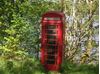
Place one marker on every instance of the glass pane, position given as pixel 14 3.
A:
pixel 50 61
pixel 51 37
pixel 50 57
pixel 51 31
pixel 52 52
pixel 51 47
pixel 50 26
pixel 51 42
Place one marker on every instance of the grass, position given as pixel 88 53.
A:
pixel 33 66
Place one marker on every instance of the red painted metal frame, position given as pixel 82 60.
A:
pixel 60 39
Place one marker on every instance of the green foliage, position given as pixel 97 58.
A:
pixel 27 66
pixel 20 26
pixel 33 66
pixel 70 68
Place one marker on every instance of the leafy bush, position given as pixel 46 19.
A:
pixel 70 68
pixel 26 66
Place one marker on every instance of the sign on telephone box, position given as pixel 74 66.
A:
pixel 52 41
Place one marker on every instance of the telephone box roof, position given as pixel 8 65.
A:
pixel 53 14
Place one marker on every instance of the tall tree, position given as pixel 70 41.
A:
pixel 79 30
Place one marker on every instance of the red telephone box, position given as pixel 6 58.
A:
pixel 52 44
